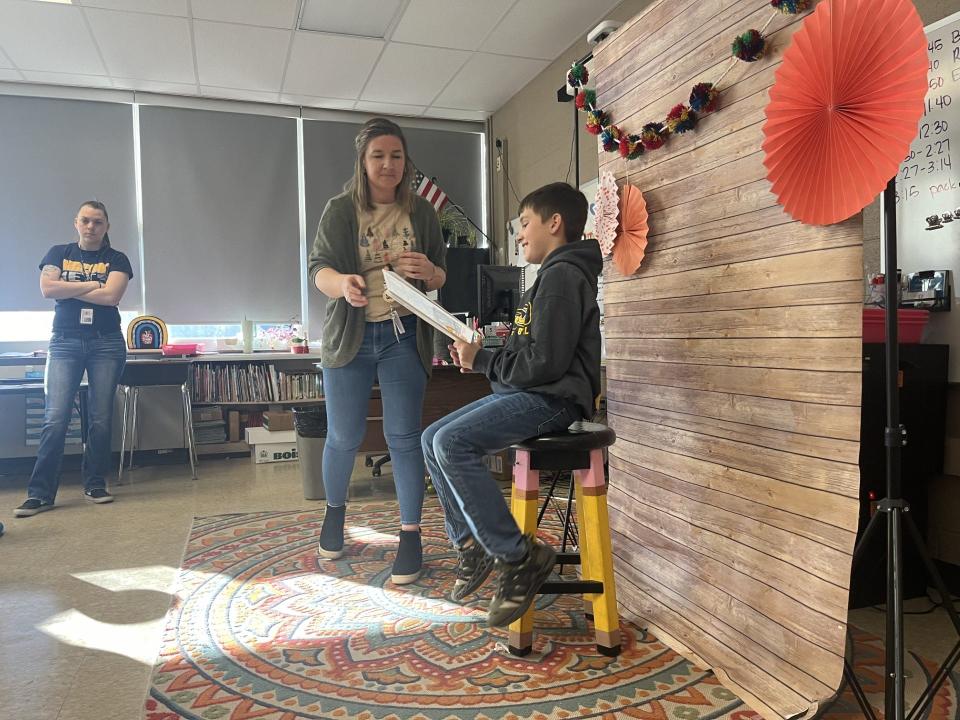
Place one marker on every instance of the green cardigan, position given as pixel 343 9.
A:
pixel 336 246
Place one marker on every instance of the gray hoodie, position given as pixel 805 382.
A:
pixel 554 346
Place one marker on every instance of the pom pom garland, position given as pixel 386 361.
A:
pixel 578 76
pixel 610 138
pixel 680 119
pixel 790 7
pixel 586 99
pixel 595 121
pixel 654 135
pixel 703 98
pixel 630 147
pixel 749 46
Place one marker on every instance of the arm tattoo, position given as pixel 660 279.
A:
pixel 51 271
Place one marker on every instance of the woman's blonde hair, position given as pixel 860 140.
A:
pixel 358 186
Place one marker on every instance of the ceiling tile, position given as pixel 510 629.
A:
pixel 48 36
pixel 240 56
pixel 67 79
pixel 154 86
pixel 129 42
pixel 454 114
pixel 411 74
pixel 267 13
pixel 458 24
pixel 545 28
pixel 315 54
pixel 160 7
pixel 486 82
pixel 313 101
pixel 388 108
pixel 11 75
pixel 234 94
pixel 366 18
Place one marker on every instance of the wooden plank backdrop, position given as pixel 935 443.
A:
pixel 733 366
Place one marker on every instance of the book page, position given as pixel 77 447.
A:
pixel 426 309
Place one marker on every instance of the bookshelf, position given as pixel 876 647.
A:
pixel 253 383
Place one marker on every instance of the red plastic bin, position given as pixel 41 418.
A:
pixel 910 325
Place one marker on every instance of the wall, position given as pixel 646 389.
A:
pixel 538 131
pixel 733 376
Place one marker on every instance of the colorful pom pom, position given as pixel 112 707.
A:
pixel 681 119
pixel 749 46
pixel 610 138
pixel 703 98
pixel 578 76
pixel 586 99
pixel 654 135
pixel 595 121
pixel 790 7
pixel 631 147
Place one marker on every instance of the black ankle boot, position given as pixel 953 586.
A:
pixel 409 560
pixel 331 534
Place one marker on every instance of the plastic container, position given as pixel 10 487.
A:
pixel 910 325
pixel 180 349
pixel 311 426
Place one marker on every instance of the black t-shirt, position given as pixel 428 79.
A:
pixel 77 265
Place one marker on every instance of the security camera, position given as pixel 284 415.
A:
pixel 602 31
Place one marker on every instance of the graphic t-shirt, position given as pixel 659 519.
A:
pixel 78 265
pixel 385 230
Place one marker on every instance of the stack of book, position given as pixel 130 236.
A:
pixel 209 426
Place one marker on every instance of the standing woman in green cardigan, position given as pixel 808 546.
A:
pixel 377 222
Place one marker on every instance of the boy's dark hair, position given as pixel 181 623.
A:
pixel 563 199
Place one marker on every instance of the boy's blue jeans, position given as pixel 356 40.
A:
pixel 403 382
pixel 69 355
pixel 454 447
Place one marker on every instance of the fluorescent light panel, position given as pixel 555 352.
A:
pixel 359 18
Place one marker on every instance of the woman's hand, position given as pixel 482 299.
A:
pixel 412 265
pixel 353 288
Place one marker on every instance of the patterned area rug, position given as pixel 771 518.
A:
pixel 261 627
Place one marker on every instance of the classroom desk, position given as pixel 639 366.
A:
pixel 27 389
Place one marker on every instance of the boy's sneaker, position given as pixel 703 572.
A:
pixel 31 507
pixel 519 583
pixel 331 533
pixel 473 567
pixel 98 496
pixel 409 561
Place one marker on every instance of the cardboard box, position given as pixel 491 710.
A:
pixel 268 447
pixel 278 420
pixel 233 426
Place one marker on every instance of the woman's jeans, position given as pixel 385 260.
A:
pixel 403 382
pixel 454 446
pixel 102 356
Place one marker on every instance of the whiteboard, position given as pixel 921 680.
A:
pixel 928 182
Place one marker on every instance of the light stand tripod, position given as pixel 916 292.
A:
pixel 896 512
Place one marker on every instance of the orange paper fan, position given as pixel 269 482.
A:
pixel 844 107
pixel 631 239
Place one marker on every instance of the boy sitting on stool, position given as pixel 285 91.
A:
pixel 544 378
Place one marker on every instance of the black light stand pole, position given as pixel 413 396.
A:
pixel 895 510
pixel 564 96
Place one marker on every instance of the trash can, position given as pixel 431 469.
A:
pixel 311 426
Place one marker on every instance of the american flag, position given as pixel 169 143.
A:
pixel 429 190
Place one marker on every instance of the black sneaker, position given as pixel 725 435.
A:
pixel 98 496
pixel 519 583
pixel 31 507
pixel 473 567
pixel 331 533
pixel 409 561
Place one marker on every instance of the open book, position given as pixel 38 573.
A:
pixel 426 309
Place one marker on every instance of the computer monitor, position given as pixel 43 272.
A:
pixel 459 293
pixel 498 293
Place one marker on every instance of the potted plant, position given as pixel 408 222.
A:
pixel 298 343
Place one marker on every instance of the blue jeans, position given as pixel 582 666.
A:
pixel 454 447
pixel 103 358
pixel 403 382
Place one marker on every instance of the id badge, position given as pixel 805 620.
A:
pixel 86 316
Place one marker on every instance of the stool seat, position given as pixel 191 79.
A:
pixel 581 436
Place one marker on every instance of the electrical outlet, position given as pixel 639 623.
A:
pixel 499 164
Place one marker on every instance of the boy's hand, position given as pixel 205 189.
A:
pixel 412 265
pixel 463 353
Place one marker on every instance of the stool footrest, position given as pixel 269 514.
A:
pixel 568 558
pixel 571 587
